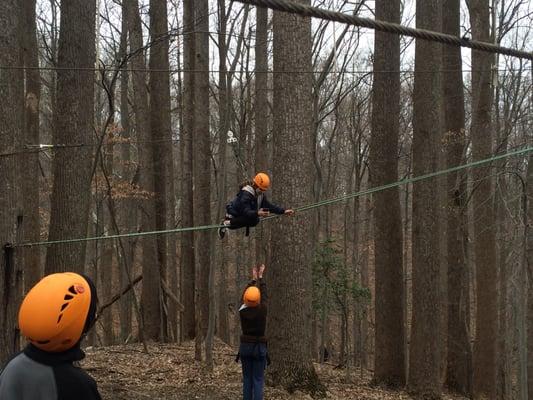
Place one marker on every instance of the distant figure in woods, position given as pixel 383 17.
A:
pixel 253 346
pixel 250 204
pixel 54 316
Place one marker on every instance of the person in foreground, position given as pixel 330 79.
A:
pixel 253 346
pixel 54 316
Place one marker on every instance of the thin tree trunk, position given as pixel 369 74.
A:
pixel 188 279
pixel 32 229
pixel 202 172
pixel 127 211
pixel 223 112
pixel 160 125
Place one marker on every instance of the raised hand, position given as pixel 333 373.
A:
pixel 254 273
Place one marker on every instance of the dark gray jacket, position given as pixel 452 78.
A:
pixel 38 375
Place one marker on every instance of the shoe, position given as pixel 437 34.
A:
pixel 222 230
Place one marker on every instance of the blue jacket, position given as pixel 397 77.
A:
pixel 247 203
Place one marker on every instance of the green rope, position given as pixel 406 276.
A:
pixel 302 208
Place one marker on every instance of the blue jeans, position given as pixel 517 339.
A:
pixel 253 359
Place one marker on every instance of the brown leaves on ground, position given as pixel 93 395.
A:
pixel 170 372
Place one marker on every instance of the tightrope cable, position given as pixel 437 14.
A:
pixel 298 209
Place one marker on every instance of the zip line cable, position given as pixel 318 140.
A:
pixel 298 209
pixel 383 26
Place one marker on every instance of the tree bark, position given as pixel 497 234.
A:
pixel 32 228
pixel 485 353
pixel 73 125
pixel 290 314
pixel 202 171
pixel 160 124
pixel 127 211
pixel 150 298
pixel 425 365
pixel 11 117
pixel 459 359
pixel 188 279
pixel 389 334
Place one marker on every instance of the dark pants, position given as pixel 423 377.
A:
pixel 253 359
pixel 242 222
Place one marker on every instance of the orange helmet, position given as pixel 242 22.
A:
pixel 57 311
pixel 262 181
pixel 252 296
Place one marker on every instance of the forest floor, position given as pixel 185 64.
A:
pixel 170 372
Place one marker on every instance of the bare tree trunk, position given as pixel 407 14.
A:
pixel 202 172
pixel 73 124
pixel 160 125
pixel 188 279
pixel 529 255
pixel 223 112
pixel 150 299
pixel 389 359
pixel 11 217
pixel 261 118
pixel 484 380
pixel 459 359
pixel 424 364
pixel 32 229
pixel 127 211
pixel 290 272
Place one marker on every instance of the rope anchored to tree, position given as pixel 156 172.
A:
pixel 382 26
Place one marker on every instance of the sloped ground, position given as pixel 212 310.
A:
pixel 170 372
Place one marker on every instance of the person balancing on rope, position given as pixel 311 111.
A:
pixel 250 205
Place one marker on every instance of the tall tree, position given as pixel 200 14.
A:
pixel 289 323
pixel 389 358
pixel 459 359
pixel 223 112
pixel 73 125
pixel 188 279
pixel 261 117
pixel 32 262
pixel 127 213
pixel 12 100
pixel 202 170
pixel 530 267
pixel 484 380
pixel 160 125
pixel 425 352
pixel 151 311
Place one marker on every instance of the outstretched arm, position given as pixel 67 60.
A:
pixel 262 284
pixel 273 208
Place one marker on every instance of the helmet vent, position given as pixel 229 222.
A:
pixel 43 341
pixel 68 297
pixel 59 318
pixel 64 306
pixel 72 290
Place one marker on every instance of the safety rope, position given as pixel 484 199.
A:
pixel 299 209
pixel 309 11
